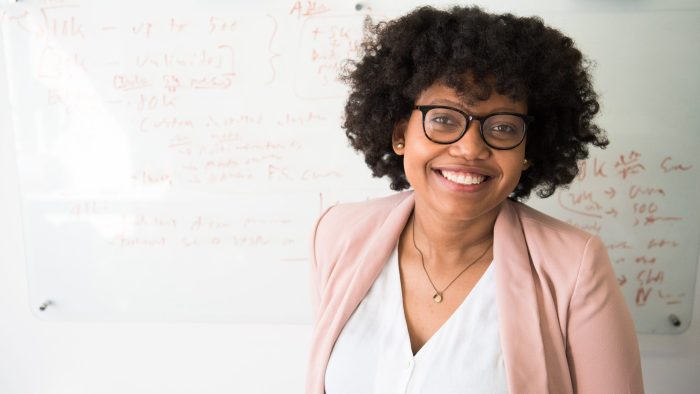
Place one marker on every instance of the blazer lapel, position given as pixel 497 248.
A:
pixel 376 254
pixel 371 260
pixel 518 311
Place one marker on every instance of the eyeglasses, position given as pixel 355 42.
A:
pixel 499 130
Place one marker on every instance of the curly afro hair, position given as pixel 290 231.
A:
pixel 517 57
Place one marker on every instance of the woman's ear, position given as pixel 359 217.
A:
pixel 398 139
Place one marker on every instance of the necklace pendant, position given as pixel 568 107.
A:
pixel 437 297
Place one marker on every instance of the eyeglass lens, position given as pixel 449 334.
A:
pixel 499 130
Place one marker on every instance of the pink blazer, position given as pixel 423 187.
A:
pixel 564 324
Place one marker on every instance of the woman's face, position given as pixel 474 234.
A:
pixel 467 179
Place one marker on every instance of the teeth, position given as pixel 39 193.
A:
pixel 462 178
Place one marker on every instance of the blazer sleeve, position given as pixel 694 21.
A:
pixel 602 348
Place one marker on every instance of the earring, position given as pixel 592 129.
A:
pixel 525 162
pixel 399 145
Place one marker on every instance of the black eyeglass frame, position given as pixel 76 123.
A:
pixel 527 119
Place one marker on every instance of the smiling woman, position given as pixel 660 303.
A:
pixel 455 286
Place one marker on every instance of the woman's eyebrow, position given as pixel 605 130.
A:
pixel 468 107
pixel 452 103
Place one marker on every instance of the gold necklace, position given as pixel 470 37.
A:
pixel 437 297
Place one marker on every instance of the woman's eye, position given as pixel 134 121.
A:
pixel 502 128
pixel 442 119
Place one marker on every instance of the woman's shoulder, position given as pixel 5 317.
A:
pixel 348 226
pixel 357 213
pixel 538 222
pixel 553 241
pixel 344 232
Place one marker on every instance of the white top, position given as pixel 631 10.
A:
pixel 373 352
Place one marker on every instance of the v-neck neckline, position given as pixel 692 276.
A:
pixel 396 280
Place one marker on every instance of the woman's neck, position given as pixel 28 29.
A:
pixel 450 241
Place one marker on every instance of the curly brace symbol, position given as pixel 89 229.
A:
pixel 273 55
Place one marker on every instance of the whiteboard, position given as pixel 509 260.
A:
pixel 173 157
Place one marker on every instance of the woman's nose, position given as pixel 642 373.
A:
pixel 471 146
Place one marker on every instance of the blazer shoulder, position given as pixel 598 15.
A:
pixel 562 254
pixel 347 224
pixel 368 210
pixel 554 243
pixel 534 221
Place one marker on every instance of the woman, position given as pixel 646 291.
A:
pixel 455 286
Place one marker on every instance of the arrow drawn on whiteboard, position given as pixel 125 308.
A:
pixel 612 212
pixel 273 55
pixel 19 21
pixel 610 192
pixel 622 281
